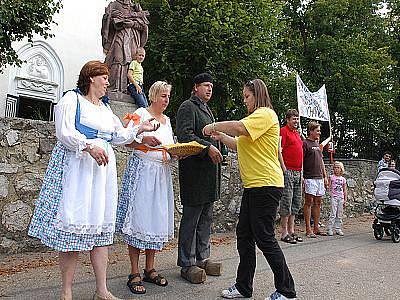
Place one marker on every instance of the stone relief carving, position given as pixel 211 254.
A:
pixel 37 67
pixel 36 86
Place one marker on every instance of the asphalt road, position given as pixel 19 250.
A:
pixel 355 266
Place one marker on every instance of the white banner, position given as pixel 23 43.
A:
pixel 312 105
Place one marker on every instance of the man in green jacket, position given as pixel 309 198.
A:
pixel 199 177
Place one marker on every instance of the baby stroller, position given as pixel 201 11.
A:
pixel 387 211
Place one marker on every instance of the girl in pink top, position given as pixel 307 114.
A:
pixel 338 198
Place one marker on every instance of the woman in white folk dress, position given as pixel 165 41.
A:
pixel 76 208
pixel 145 214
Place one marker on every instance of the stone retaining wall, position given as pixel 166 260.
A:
pixel 25 147
pixel 360 175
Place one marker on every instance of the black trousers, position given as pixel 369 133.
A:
pixel 194 234
pixel 257 227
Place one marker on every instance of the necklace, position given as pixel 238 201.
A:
pixel 159 117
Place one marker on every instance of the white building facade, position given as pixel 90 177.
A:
pixel 52 66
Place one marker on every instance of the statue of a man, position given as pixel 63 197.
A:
pixel 124 28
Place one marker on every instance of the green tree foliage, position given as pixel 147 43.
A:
pixel 393 27
pixel 393 18
pixel 345 45
pixel 349 45
pixel 233 40
pixel 20 19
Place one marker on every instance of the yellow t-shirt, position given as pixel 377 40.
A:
pixel 137 70
pixel 258 153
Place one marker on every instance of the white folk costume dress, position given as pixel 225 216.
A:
pixel 76 209
pixel 145 215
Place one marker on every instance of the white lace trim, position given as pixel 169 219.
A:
pixel 148 237
pixel 80 148
pixel 84 229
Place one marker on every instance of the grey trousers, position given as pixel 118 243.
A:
pixel 194 234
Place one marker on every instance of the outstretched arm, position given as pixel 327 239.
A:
pixel 229 141
pixel 232 128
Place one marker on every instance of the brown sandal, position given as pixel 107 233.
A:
pixel 321 233
pixel 158 279
pixel 311 235
pixel 133 285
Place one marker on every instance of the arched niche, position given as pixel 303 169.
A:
pixel 40 78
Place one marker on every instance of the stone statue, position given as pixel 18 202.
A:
pixel 124 28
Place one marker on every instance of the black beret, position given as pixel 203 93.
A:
pixel 202 77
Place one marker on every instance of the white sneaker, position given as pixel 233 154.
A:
pixel 277 296
pixel 231 293
pixel 339 232
pixel 329 232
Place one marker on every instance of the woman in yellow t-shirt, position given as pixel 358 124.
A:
pixel 256 139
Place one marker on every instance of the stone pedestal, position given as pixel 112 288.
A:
pixel 121 104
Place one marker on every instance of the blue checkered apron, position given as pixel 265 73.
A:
pixel 130 181
pixel 42 223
